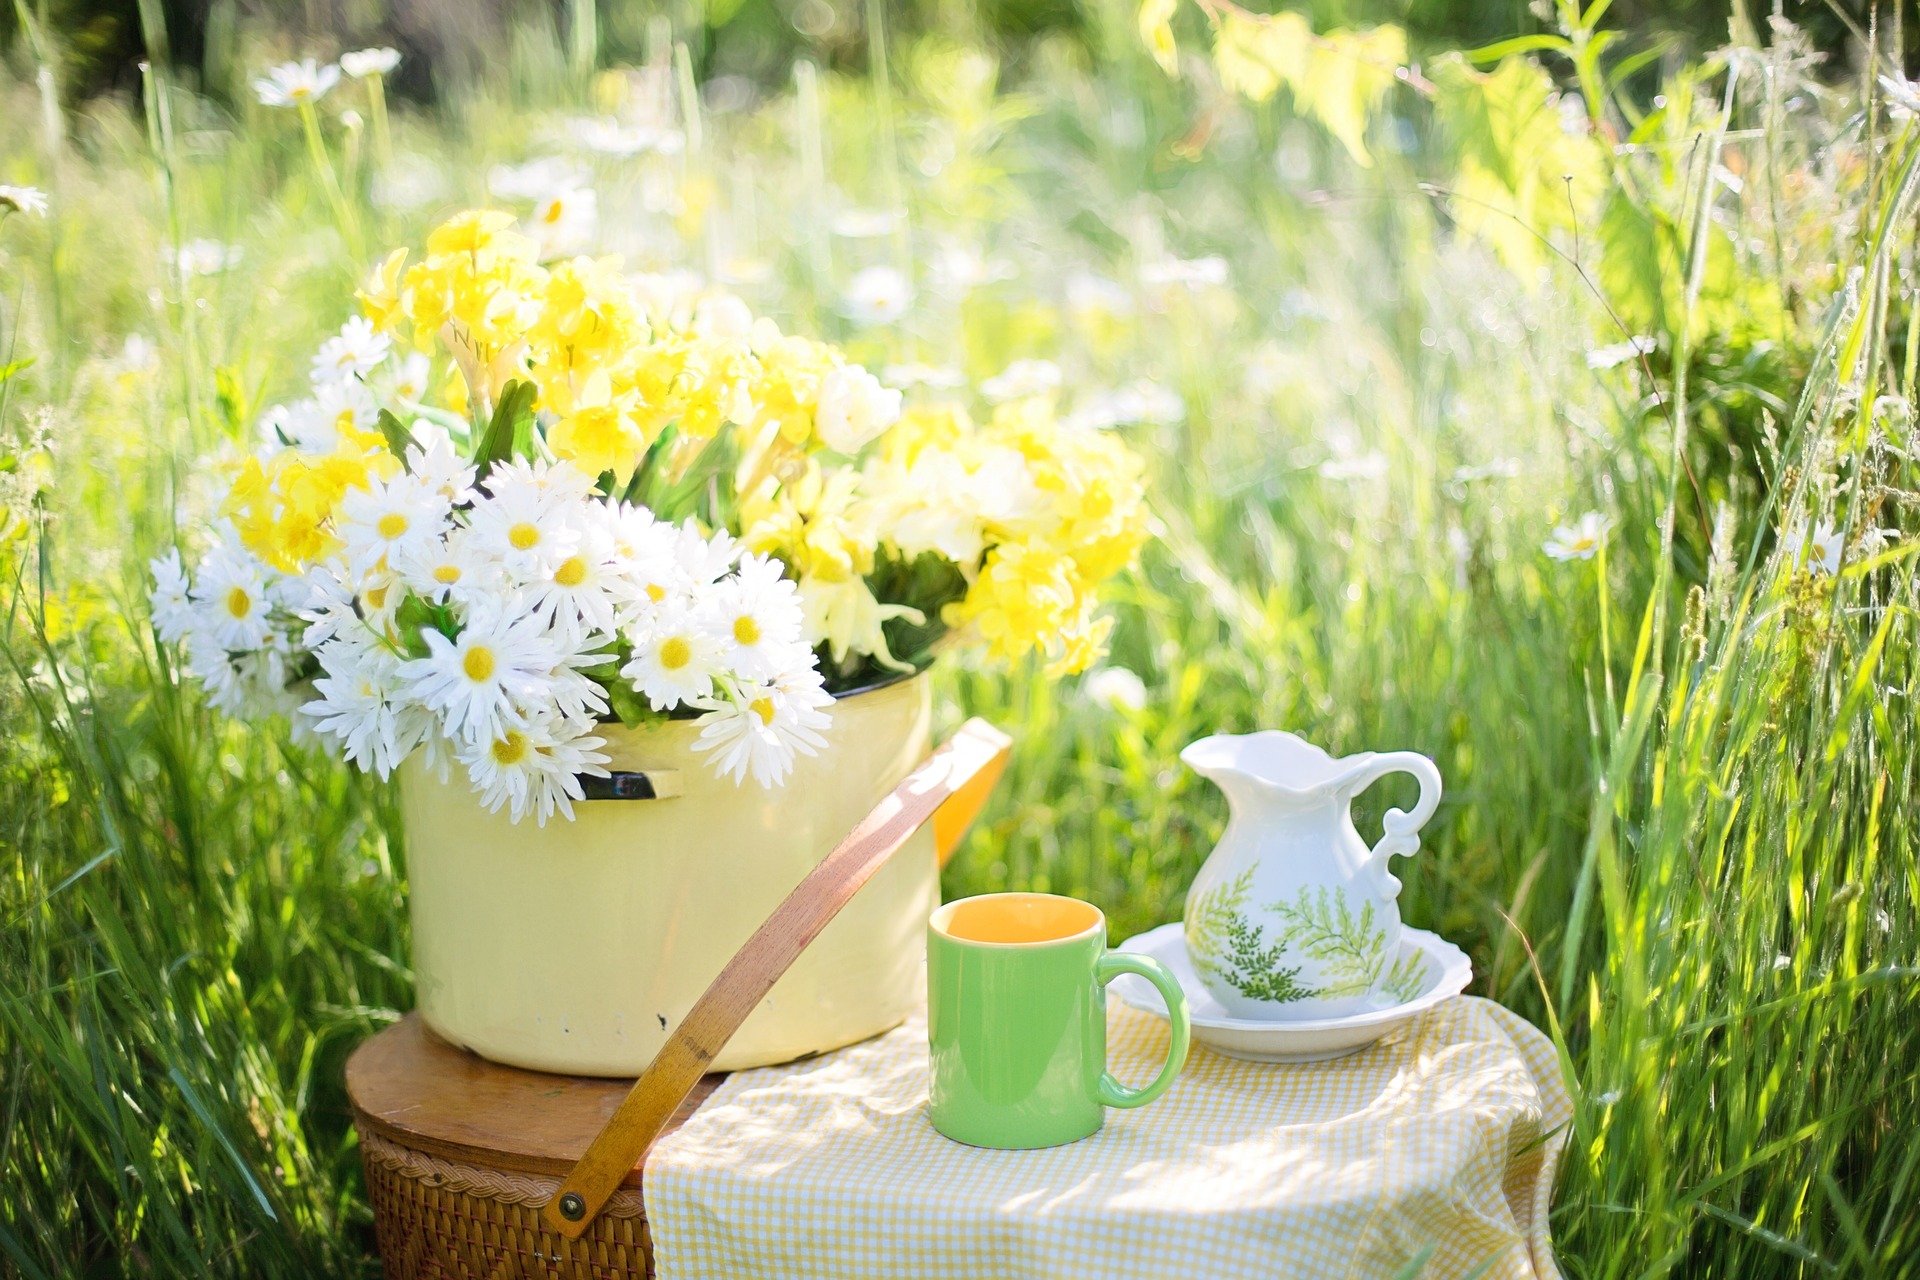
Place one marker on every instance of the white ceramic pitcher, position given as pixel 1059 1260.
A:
pixel 1293 916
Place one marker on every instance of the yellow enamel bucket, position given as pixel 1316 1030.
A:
pixel 573 948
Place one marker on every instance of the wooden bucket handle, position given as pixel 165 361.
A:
pixel 949 787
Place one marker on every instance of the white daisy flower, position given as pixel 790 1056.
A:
pixel 756 617
pixel 408 378
pixel 29 200
pixel 435 462
pixel 564 220
pixel 363 704
pixel 853 408
pixel 586 594
pixel 675 661
pixel 231 588
pixel 449 570
pixel 523 521
pixel 356 351
pixel 535 178
pixel 296 84
pixel 770 724
pixel 1022 380
pixel 325 602
pixel 207 257
pixel 1820 551
pixel 481 681
pixel 610 138
pixel 362 63
pixel 877 295
pixel 703 559
pixel 170 601
pixel 402 516
pixel 1581 540
pixel 1117 688
pixel 534 767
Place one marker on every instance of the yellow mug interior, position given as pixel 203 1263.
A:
pixel 1012 919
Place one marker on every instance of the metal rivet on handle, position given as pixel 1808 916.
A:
pixel 572 1207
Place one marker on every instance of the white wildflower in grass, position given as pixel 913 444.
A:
pixel 1145 401
pixel 356 351
pixel 933 377
pixel 1580 540
pixel 877 295
pixel 853 409
pixel 534 179
pixel 1819 551
pixel 534 766
pixel 756 618
pixel 207 257
pixel 1022 380
pixel 1090 294
pixel 231 590
pixel 864 224
pixel 956 268
pixel 1187 273
pixel 362 63
pixel 1620 353
pixel 391 518
pixel 28 200
pixel 1118 688
pixel 611 138
pixel 522 523
pixel 766 726
pixel 479 681
pixel 565 219
pixel 675 661
pixel 169 602
pixel 296 84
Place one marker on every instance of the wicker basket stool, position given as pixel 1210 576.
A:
pixel 462 1153
pixel 479 1171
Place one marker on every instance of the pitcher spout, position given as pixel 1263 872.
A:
pixel 1271 767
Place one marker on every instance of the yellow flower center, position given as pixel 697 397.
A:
pixel 239 603
pixel 656 592
pixel 523 536
pixel 376 597
pixel 762 707
pixel 746 630
pixel 554 212
pixel 675 653
pixel 572 572
pixel 447 573
pixel 392 525
pixel 478 664
pixel 511 749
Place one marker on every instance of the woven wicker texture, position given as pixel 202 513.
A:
pixel 439 1219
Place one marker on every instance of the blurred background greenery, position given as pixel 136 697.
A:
pixel 1662 271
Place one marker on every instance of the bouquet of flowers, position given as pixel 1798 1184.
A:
pixel 621 500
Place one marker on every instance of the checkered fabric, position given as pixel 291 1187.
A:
pixel 1445 1136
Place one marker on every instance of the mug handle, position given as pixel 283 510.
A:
pixel 1401 836
pixel 1114 963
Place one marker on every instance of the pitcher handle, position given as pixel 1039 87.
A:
pixel 1402 829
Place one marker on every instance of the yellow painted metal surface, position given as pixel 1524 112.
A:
pixel 573 947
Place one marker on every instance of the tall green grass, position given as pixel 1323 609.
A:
pixel 1679 830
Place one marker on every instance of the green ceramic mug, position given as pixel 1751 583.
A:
pixel 1017 1020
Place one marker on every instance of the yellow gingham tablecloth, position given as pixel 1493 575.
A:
pixel 1444 1136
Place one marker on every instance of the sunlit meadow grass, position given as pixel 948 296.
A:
pixel 1679 831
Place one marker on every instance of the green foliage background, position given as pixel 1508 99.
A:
pixel 1679 829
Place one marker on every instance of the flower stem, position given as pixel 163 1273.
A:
pixel 317 149
pixel 377 112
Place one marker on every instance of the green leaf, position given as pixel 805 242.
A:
pixel 230 398
pixel 399 439
pixel 511 431
pixel 414 616
pixel 628 704
pixel 8 370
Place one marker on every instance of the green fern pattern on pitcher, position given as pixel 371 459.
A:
pixel 1351 949
pixel 1406 977
pixel 1227 945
